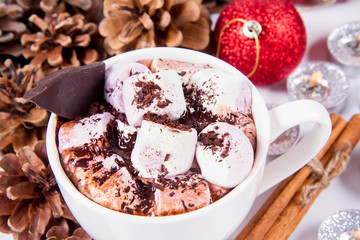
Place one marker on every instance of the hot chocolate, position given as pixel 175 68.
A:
pixel 170 137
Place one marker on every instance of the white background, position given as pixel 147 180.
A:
pixel 344 192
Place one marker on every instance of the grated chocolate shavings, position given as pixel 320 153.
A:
pixel 158 186
pixel 163 170
pixel 225 153
pixel 185 207
pixel 147 93
pixel 211 140
pixel 165 120
pixel 83 162
pixel 164 104
pixel 167 156
pixel 97 166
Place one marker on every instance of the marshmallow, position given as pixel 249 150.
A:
pixel 84 131
pixel 183 193
pixel 224 154
pixel 184 69
pixel 159 93
pixel 163 150
pixel 114 78
pixel 220 92
pixel 107 181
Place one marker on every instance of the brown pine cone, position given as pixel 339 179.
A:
pixel 11 29
pixel 139 24
pixel 21 122
pixel 31 206
pixel 62 41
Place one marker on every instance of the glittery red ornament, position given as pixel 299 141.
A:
pixel 282 39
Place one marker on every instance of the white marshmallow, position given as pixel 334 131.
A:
pixel 77 133
pixel 229 164
pixel 221 92
pixel 167 97
pixel 114 78
pixel 163 150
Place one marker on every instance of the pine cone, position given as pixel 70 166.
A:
pixel 11 29
pixel 139 24
pixel 62 41
pixel 31 206
pixel 21 122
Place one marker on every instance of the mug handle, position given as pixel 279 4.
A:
pixel 300 111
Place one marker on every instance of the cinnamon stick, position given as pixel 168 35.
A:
pixel 272 208
pixel 295 210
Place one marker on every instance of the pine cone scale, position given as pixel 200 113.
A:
pixel 174 36
pixel 184 13
pixel 110 26
pixel 23 190
pixel 39 217
pixel 146 21
pixel 54 200
pixel 196 35
pixel 7 205
pixel 8 181
pixel 4 228
pixel 10 164
pixel 54 57
pixel 26 155
pixel 18 221
pixel 132 30
pixel 90 55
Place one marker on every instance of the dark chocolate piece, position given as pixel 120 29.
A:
pixel 69 92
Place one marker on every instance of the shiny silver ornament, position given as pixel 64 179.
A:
pixel 342 225
pixel 344 44
pixel 320 81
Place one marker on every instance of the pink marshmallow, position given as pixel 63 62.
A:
pixel 184 69
pixel 183 193
pixel 114 78
pixel 224 154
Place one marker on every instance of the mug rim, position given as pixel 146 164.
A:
pixel 65 183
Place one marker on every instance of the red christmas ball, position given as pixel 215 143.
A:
pixel 282 39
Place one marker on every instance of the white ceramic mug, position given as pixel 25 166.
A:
pixel 221 218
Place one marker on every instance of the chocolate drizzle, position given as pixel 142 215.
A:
pixel 121 145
